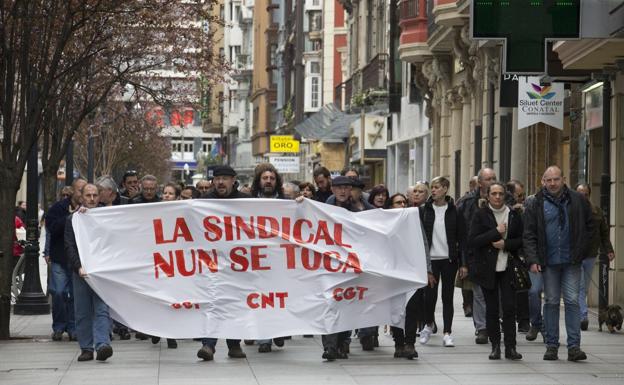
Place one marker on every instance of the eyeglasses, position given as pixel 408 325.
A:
pixel 129 173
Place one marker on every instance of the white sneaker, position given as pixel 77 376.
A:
pixel 425 334
pixel 447 341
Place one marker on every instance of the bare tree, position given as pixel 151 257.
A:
pixel 62 59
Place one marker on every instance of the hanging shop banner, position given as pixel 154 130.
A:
pixel 251 268
pixel 539 103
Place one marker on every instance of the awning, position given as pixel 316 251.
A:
pixel 329 125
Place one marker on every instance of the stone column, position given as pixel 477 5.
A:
pixel 466 138
pixel 453 101
pixel 519 151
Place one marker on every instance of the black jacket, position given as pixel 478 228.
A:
pixel 581 228
pixel 235 194
pixel 71 248
pixel 55 225
pixel 482 260
pixel 322 196
pixel 141 199
pixel 454 223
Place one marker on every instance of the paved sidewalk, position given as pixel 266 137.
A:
pixel 33 359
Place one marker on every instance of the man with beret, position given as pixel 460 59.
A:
pixel 223 188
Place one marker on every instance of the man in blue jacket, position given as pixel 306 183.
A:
pixel 60 285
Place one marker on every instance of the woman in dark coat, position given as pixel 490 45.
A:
pixel 496 236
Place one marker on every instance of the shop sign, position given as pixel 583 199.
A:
pixel 539 103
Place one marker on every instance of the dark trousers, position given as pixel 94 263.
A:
pixel 501 293
pixel 413 320
pixel 522 306
pixel 444 271
pixel 335 340
pixel 467 298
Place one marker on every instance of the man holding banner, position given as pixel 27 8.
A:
pixel 93 322
pixel 223 188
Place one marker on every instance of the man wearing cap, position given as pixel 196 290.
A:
pixel 223 188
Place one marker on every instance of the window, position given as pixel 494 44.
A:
pixel 315 92
pixel 234 52
pixel 315 67
pixel 236 15
pixel 233 100
pixel 316 3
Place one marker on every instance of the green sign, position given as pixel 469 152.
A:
pixel 525 25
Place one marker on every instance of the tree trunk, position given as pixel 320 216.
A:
pixel 49 186
pixel 8 192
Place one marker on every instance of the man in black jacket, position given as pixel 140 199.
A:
pixel 61 278
pixel 322 178
pixel 223 188
pixel 557 228
pixel 93 322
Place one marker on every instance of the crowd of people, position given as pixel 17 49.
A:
pixel 476 244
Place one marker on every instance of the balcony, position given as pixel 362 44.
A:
pixel 374 74
pixel 414 30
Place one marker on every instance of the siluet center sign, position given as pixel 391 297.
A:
pixel 539 103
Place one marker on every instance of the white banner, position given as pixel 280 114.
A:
pixel 537 103
pixel 250 268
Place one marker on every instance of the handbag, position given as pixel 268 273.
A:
pixel 520 279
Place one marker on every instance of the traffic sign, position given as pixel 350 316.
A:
pixel 525 25
pixel 284 143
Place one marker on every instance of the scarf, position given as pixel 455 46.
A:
pixel 560 202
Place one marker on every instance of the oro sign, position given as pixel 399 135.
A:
pixel 284 143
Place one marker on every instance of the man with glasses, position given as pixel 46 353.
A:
pixel 149 191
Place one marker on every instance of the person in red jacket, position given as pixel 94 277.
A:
pixel 17 248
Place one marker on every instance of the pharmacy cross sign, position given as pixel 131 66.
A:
pixel 525 25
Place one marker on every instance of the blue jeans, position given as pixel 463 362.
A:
pixel 535 300
pixel 562 279
pixel 588 268
pixel 93 323
pixel 60 287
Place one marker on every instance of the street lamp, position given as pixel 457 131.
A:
pixel 32 300
pixel 187 171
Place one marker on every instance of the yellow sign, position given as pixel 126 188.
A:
pixel 284 143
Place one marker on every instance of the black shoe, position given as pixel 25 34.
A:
pixel 576 354
pixel 206 353
pixel 368 344
pixel 512 354
pixel 104 352
pixel 524 326
pixel 264 348
pixel 57 336
pixel 236 352
pixel 551 354
pixel 434 329
pixel 155 340
pixel 308 336
pixel 532 333
pixel 86 355
pixel 73 337
pixel 584 324
pixel 124 335
pixel 249 342
pixel 496 353
pixel 330 354
pixel 172 344
pixel 141 336
pixel 399 351
pixel 343 351
pixel 410 352
pixel 482 337
pixel 376 341
pixel 468 311
pixel 279 341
